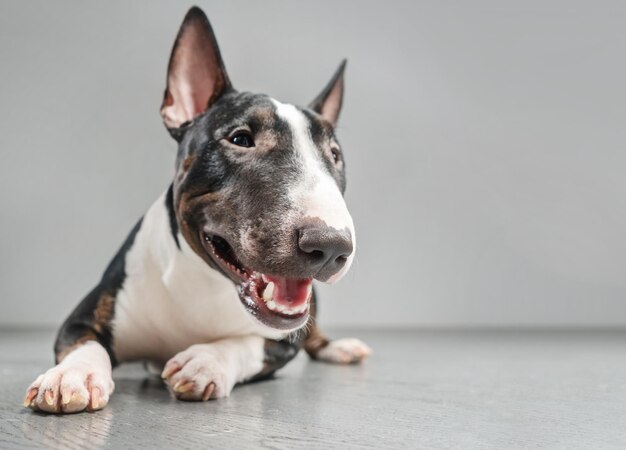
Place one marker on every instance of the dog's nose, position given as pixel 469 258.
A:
pixel 326 249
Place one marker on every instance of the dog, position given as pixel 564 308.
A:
pixel 213 286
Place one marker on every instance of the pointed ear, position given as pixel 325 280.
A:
pixel 196 76
pixel 328 102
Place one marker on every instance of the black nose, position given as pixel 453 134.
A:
pixel 326 249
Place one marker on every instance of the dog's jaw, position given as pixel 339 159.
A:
pixel 275 301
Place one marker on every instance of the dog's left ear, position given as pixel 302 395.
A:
pixel 328 102
pixel 196 76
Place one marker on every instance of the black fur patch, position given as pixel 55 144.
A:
pixel 279 353
pixel 169 204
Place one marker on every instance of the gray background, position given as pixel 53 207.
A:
pixel 485 148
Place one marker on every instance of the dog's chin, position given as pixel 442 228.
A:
pixel 277 302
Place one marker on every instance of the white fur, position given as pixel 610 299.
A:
pixel 318 192
pixel 345 351
pixel 171 299
pixel 69 386
pixel 222 363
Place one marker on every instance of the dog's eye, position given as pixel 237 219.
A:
pixel 242 139
pixel 335 152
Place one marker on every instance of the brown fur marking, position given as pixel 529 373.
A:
pixel 88 336
pixel 103 313
pixel 188 162
pixel 102 316
pixel 315 339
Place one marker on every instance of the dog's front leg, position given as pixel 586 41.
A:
pixel 210 371
pixel 81 381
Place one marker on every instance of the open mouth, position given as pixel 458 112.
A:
pixel 278 302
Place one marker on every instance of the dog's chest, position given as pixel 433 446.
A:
pixel 171 299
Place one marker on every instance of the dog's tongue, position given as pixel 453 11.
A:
pixel 288 291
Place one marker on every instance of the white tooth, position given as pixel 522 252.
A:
pixel 265 278
pixel 268 293
pixel 271 305
pixel 309 289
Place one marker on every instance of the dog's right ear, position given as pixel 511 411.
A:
pixel 328 102
pixel 196 76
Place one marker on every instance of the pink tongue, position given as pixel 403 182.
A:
pixel 290 292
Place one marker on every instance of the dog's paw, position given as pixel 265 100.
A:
pixel 344 351
pixel 200 373
pixel 69 388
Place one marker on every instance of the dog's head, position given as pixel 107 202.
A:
pixel 258 190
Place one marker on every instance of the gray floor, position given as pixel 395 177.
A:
pixel 420 390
